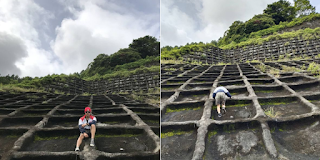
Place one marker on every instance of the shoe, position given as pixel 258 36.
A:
pixel 224 110
pixel 219 115
pixel 92 143
pixel 77 149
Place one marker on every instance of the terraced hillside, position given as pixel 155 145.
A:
pixel 271 50
pixel 270 116
pixel 133 83
pixel 45 126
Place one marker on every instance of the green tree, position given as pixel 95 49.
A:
pixel 281 11
pixel 258 22
pixel 146 46
pixel 124 56
pixel 303 8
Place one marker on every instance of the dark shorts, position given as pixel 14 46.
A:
pixel 88 132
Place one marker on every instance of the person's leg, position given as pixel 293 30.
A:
pixel 217 98
pixel 93 131
pixel 79 141
pixel 218 108
pixel 223 102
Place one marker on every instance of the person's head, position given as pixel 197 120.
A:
pixel 87 111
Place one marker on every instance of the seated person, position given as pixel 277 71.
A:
pixel 87 127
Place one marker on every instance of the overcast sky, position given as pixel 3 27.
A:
pixel 185 21
pixel 41 37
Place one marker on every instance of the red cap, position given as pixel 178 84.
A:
pixel 87 109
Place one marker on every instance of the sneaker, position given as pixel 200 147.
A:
pixel 77 149
pixel 219 115
pixel 92 143
pixel 224 110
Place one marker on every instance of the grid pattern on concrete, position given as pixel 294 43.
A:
pixel 272 50
pixel 138 82
pixel 45 126
pixel 268 117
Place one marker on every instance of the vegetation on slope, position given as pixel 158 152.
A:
pixel 142 56
pixel 275 18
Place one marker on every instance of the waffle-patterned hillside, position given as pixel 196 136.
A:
pixel 270 116
pixel 45 126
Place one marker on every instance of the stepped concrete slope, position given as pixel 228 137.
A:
pixel 133 83
pixel 269 116
pixel 271 50
pixel 37 126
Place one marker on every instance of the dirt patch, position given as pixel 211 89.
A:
pixel 298 79
pixel 243 112
pixel 108 111
pixel 252 72
pixel 178 147
pixel 20 121
pixel 69 112
pixel 196 86
pixel 262 82
pixel 62 122
pixel 165 95
pixel 55 145
pixel 47 157
pixel 231 83
pixel 169 87
pixel 32 112
pixel 297 139
pixel 306 88
pixel 5 111
pixel 258 76
pixel 283 107
pixel 100 105
pixel 150 120
pixel 131 140
pixel 7 139
pixel 315 99
pixel 183 112
pixel 116 120
pixel 52 141
pixel 227 78
pixel 235 141
pixel 176 82
pixel 144 110
pixel 43 106
pixel 270 91
pixel 185 115
pixel 238 92
pixel 193 95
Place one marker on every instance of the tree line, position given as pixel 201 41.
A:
pixel 142 55
pixel 275 17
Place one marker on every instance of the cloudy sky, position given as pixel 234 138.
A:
pixel 184 21
pixel 41 37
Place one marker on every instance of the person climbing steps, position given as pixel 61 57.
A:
pixel 219 94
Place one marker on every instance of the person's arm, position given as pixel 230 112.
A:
pixel 228 94
pixel 93 121
pixel 214 95
pixel 81 127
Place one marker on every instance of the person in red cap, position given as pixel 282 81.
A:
pixel 87 127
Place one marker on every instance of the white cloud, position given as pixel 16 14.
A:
pixel 213 19
pixel 19 19
pixel 94 31
pixel 95 27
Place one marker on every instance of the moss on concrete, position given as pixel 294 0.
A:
pixel 39 138
pixel 169 110
pixel 174 133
